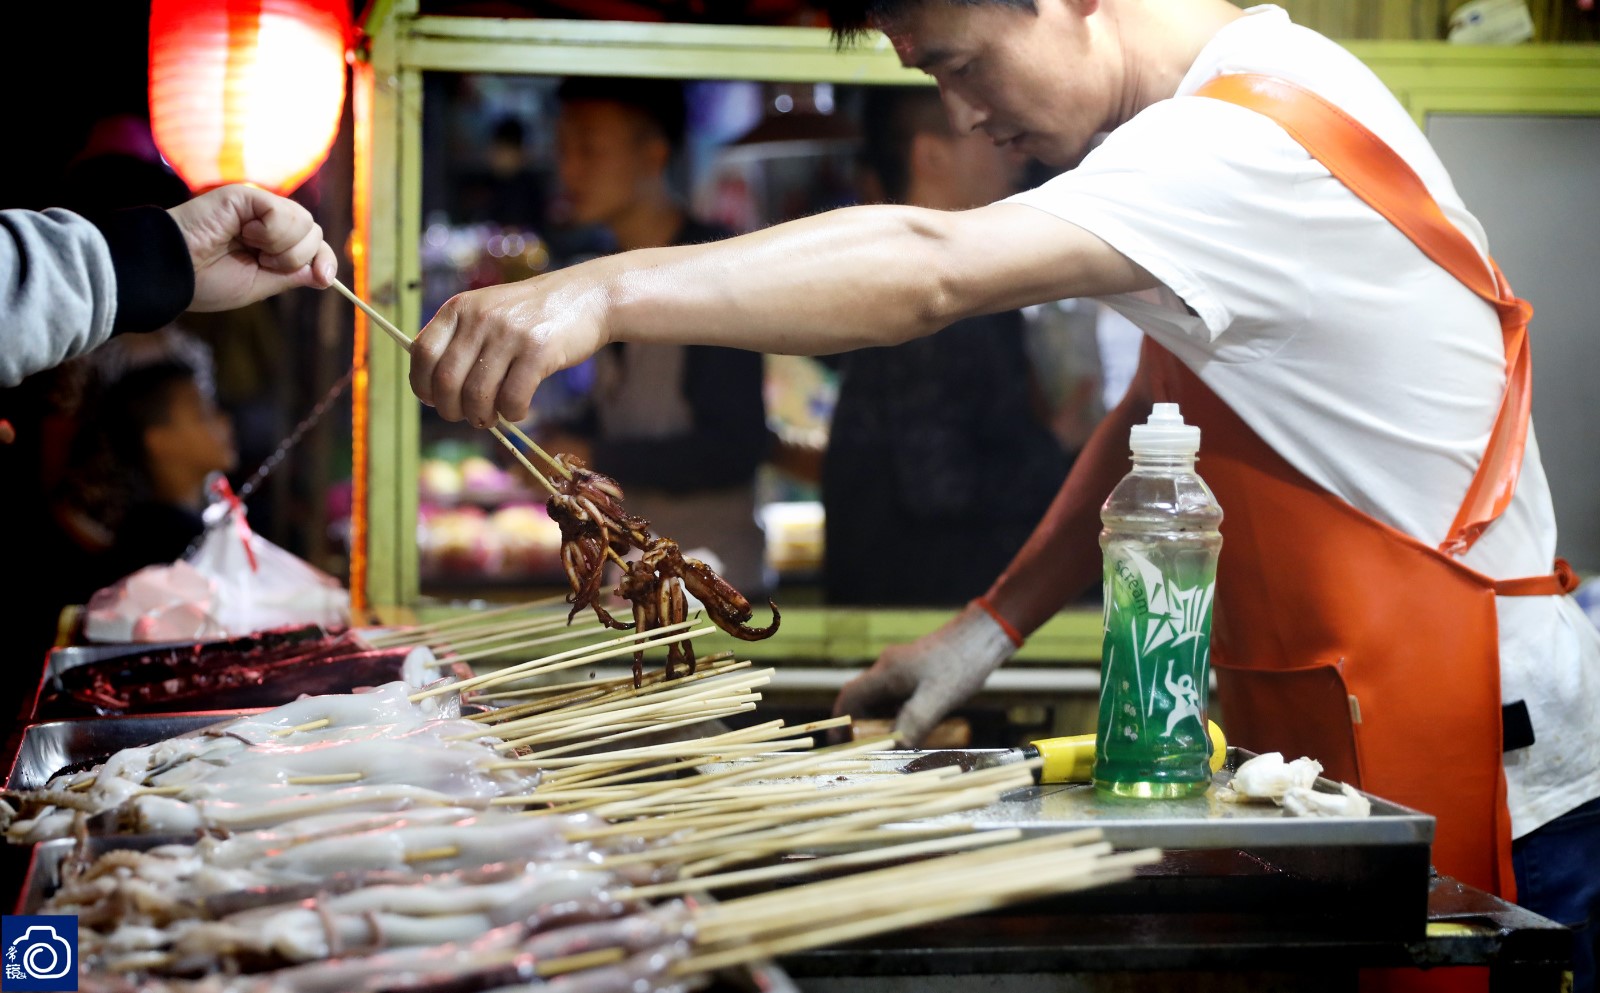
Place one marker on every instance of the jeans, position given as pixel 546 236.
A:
pixel 1558 876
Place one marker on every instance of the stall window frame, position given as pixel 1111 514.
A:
pixel 398 45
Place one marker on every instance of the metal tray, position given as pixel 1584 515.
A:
pixel 1248 864
pixel 72 656
pixel 1190 823
pixel 49 747
pixel 43 876
pixel 47 682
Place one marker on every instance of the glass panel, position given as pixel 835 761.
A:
pixel 912 476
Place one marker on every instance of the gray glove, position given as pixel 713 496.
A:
pixel 933 675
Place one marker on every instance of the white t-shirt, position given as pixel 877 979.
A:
pixel 1365 365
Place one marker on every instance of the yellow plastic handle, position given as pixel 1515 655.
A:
pixel 1071 759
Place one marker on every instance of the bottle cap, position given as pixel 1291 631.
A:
pixel 1164 433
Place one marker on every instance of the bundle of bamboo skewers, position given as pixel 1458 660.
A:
pixel 751 808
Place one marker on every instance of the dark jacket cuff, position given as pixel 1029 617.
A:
pixel 155 277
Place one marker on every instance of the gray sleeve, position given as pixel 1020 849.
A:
pixel 58 290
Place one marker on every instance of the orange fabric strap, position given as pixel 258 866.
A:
pixel 1005 625
pixel 1375 173
pixel 1562 580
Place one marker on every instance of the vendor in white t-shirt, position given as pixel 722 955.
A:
pixel 1356 371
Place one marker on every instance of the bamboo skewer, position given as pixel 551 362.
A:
pixel 423 632
pixel 631 642
pixel 787 766
pixel 533 732
pixel 520 436
pixel 562 764
pixel 887 887
pixel 1054 843
pixel 939 901
pixel 811 866
pixel 557 695
pixel 501 632
pixel 581 715
pixel 586 697
pixel 612 773
pixel 566 634
pixel 565 750
pixel 575 746
pixel 712 854
pixel 747 797
pixel 566 769
pixel 526 464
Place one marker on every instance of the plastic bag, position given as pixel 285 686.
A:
pixel 236 583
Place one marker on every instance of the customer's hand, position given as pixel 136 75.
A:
pixel 248 244
pixel 929 677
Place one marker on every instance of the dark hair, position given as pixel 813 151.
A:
pixel 141 399
pixel 659 101
pixel 851 19
pixel 508 131
pixel 891 117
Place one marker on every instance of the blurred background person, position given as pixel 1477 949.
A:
pixel 682 429
pixel 161 423
pixel 940 459
pixel 147 439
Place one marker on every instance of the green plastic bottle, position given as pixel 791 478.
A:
pixel 1160 542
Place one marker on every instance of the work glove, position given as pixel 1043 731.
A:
pixel 931 676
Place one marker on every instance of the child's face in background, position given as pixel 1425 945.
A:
pixel 196 435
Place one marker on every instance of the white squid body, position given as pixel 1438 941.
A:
pixel 663 928
pixel 389 916
pixel 1269 777
pixel 424 757
pixel 1347 802
pixel 474 842
pixel 383 713
pixel 389 704
pixel 244 849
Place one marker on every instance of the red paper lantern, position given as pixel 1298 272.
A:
pixel 247 90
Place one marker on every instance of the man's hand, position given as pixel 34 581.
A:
pixel 486 351
pixel 929 677
pixel 248 244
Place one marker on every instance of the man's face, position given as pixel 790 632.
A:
pixel 609 158
pixel 1037 82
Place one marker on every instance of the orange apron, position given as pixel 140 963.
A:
pixel 1337 636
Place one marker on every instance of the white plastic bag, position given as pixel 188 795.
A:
pixel 261 586
pixel 236 583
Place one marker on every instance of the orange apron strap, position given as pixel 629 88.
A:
pixel 1562 580
pixel 1375 173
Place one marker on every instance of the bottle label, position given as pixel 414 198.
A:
pixel 1155 663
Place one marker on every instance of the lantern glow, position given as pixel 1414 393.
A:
pixel 247 90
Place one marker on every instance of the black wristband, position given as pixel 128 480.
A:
pixel 155 276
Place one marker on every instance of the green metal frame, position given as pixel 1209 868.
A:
pixel 1428 77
